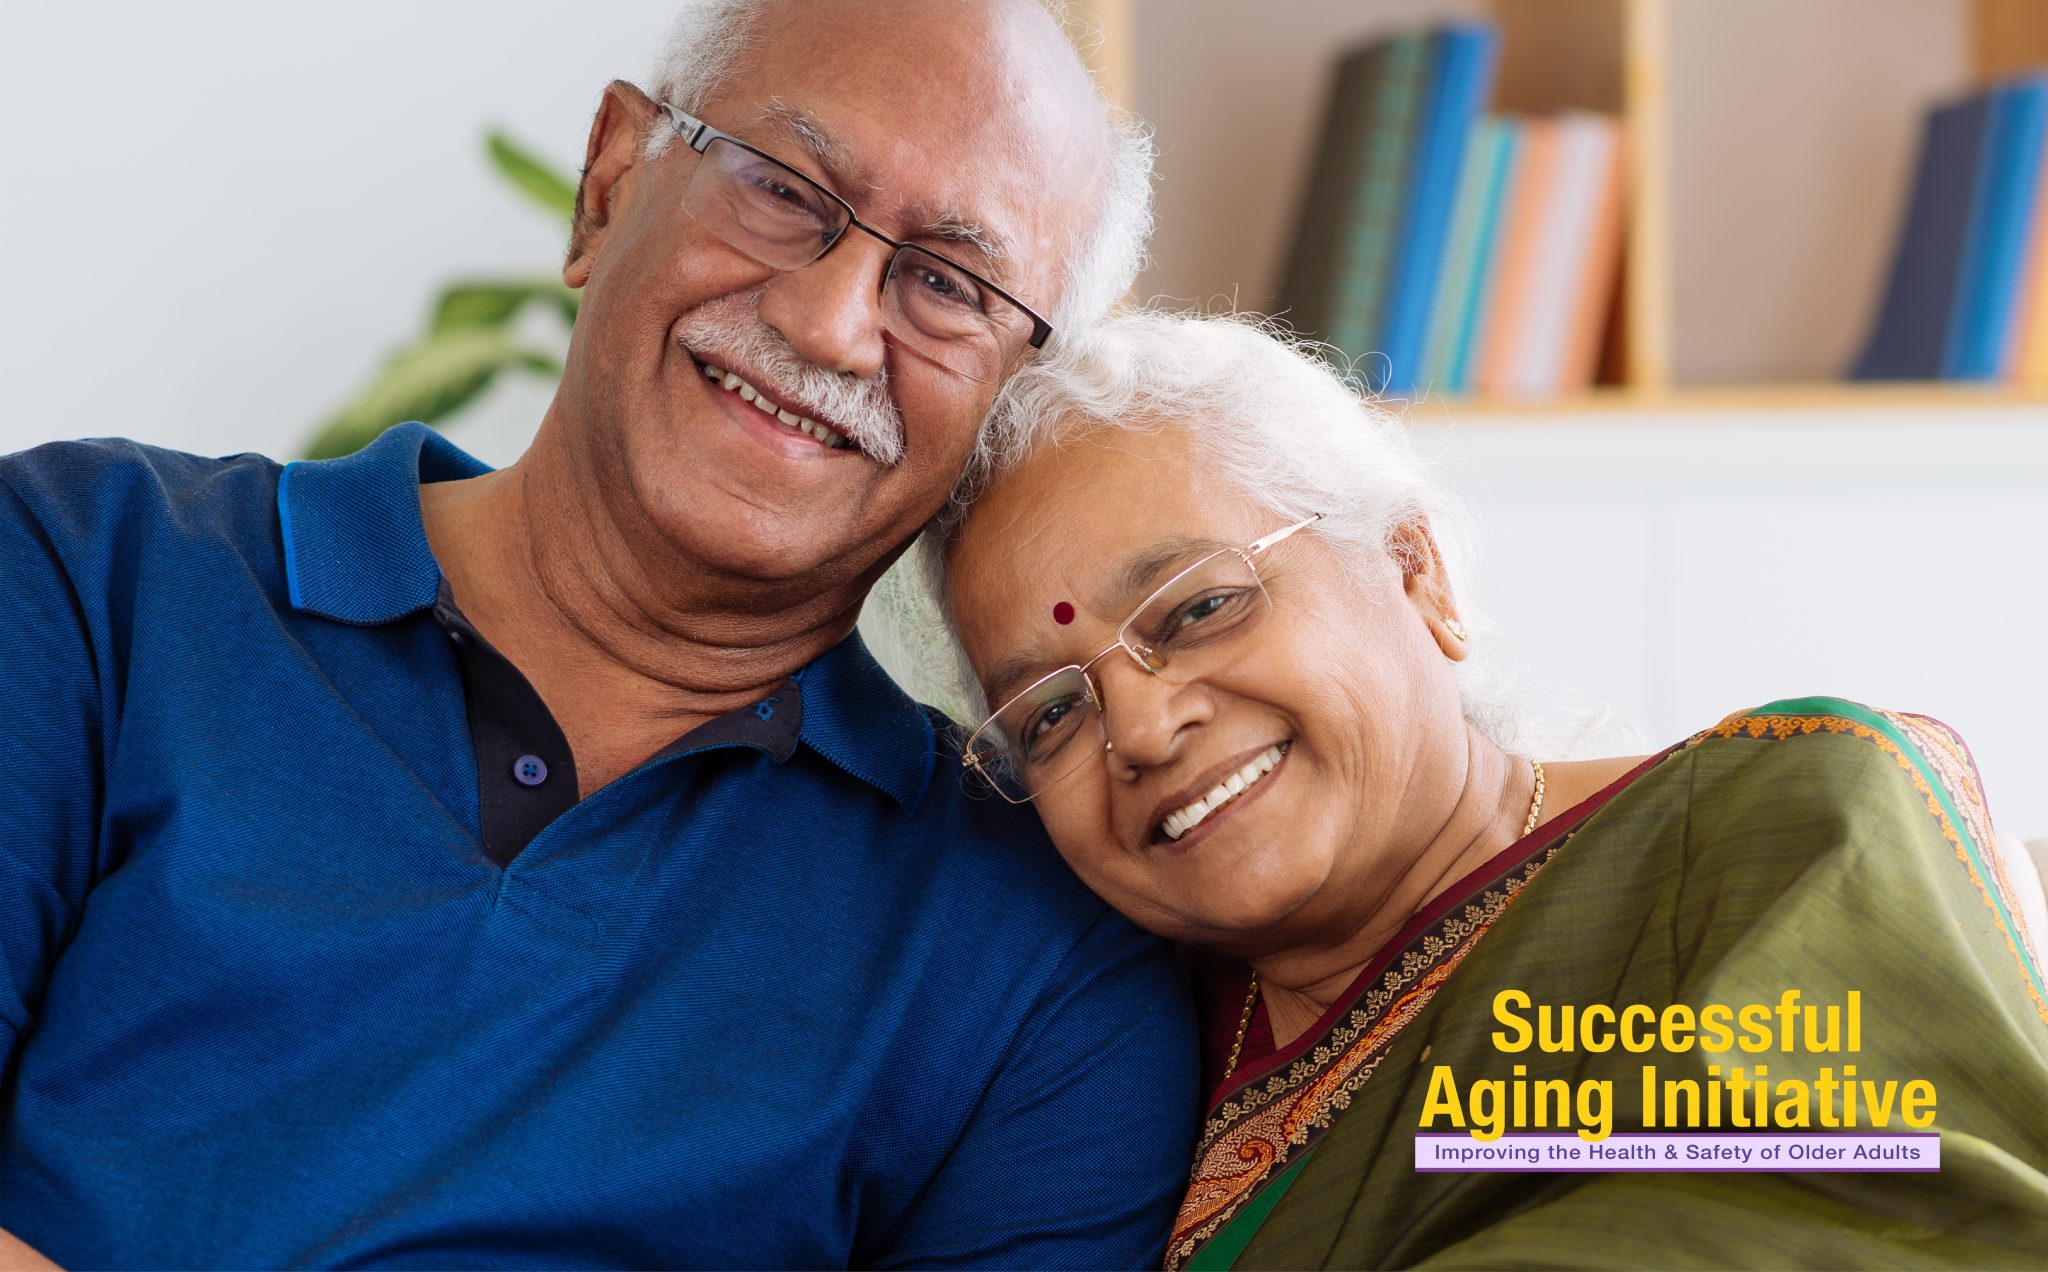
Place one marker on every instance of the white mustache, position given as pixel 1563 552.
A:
pixel 728 333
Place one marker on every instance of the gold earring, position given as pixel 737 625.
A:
pixel 1455 628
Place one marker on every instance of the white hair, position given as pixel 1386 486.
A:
pixel 705 40
pixel 1278 422
pixel 1104 260
pixel 1099 262
pixel 1106 255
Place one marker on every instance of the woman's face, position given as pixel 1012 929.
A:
pixel 1354 686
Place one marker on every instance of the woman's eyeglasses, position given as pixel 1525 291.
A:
pixel 1189 628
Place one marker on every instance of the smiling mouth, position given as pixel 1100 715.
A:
pixel 1182 820
pixel 733 383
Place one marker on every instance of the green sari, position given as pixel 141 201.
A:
pixel 1813 845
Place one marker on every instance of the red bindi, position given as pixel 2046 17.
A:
pixel 1063 613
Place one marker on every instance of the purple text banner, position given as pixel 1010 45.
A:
pixel 1688 1152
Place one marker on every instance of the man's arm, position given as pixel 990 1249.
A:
pixel 1078 1156
pixel 49 733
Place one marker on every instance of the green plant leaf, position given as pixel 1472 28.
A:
pixel 495 304
pixel 428 381
pixel 533 176
pixel 469 339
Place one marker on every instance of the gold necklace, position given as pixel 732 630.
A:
pixel 1251 1000
pixel 1251 997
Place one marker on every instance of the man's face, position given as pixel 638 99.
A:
pixel 940 124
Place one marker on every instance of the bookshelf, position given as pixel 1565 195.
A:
pixel 1769 153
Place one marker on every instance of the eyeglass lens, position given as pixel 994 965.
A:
pixel 783 219
pixel 1188 629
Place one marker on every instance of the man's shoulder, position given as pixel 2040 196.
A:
pixel 103 526
pixel 981 831
pixel 89 490
pixel 995 853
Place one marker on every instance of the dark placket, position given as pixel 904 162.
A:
pixel 525 772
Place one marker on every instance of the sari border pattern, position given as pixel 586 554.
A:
pixel 1250 1138
pixel 1938 764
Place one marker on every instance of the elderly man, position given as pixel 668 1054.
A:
pixel 412 864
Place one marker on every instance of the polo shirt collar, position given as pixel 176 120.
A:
pixel 862 721
pixel 355 551
pixel 355 548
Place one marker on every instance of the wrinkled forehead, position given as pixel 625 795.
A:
pixel 969 113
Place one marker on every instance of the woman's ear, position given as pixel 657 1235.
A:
pixel 611 161
pixel 1428 587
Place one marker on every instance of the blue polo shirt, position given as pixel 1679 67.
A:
pixel 782 996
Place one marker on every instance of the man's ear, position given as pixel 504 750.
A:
pixel 610 163
pixel 1427 586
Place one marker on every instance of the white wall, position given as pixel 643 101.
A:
pixel 220 216
pixel 1679 567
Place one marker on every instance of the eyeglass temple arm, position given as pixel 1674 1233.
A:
pixel 1261 545
pixel 685 123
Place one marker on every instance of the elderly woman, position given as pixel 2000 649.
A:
pixel 1213 626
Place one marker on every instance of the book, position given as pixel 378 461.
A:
pixel 1910 337
pixel 1476 303
pixel 1365 233
pixel 1563 254
pixel 2026 359
pixel 1525 213
pixel 2021 361
pixel 1463 243
pixel 1302 296
pixel 1462 60
pixel 1987 278
pixel 1597 274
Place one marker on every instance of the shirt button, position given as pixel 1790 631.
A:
pixel 531 770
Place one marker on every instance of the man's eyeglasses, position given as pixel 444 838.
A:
pixel 782 218
pixel 1189 628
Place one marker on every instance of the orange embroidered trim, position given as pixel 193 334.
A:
pixel 1959 780
pixel 1950 759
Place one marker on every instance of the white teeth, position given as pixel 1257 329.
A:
pixel 801 423
pixel 1182 820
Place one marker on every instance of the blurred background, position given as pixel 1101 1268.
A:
pixel 225 215
pixel 228 216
